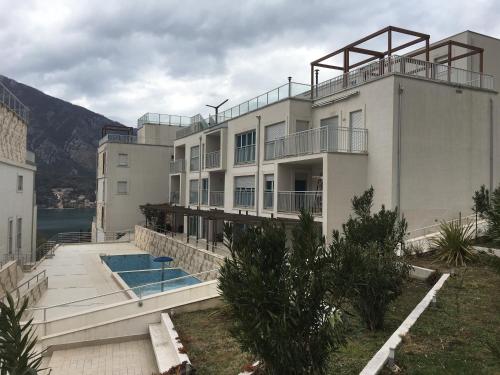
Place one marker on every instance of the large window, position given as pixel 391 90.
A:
pixel 356 119
pixel 268 191
pixel 194 164
pixel 19 234
pixel 244 191
pixel 330 121
pixel 193 191
pixel 122 187
pixel 103 163
pixel 204 191
pixel 123 160
pixel 10 235
pixel 245 148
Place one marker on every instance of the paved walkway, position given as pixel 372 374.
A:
pixel 129 358
pixel 76 272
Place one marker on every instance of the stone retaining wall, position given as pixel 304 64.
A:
pixel 10 274
pixel 185 256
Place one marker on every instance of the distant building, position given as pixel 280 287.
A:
pixel 18 209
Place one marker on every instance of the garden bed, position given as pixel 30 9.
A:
pixel 212 350
pixel 461 334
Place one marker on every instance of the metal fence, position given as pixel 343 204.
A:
pixel 313 141
pixel 8 99
pixel 164 119
pixel 244 155
pixel 217 198
pixel 406 66
pixel 212 159
pixel 118 138
pixel 19 290
pixel 178 166
pixel 295 201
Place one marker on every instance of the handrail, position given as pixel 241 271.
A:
pixel 13 103
pixel 17 288
pixel 436 227
pixel 45 308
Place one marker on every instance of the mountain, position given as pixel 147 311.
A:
pixel 64 138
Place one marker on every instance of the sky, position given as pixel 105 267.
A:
pixel 122 58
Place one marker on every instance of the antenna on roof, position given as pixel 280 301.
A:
pixel 216 107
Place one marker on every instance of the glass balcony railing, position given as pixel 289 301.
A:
pixel 118 138
pixel 244 155
pixel 212 159
pixel 244 198
pixel 296 201
pixel 178 166
pixel 174 197
pixel 8 99
pixel 217 198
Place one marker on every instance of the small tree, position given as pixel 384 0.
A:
pixel 366 268
pixel 481 200
pixel 493 216
pixel 280 297
pixel 453 245
pixel 17 342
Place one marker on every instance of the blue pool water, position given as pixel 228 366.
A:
pixel 137 278
pixel 140 269
pixel 132 262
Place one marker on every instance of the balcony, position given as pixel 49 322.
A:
pixel 118 138
pixel 193 197
pixel 164 119
pixel 405 66
pixel 244 199
pixel 9 100
pixel 318 140
pixel 178 166
pixel 244 155
pixel 204 197
pixel 217 198
pixel 268 199
pixel 212 160
pixel 295 201
pixel 174 197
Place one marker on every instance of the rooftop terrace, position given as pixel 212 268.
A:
pixel 11 101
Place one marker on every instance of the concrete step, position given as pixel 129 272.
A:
pixel 162 347
pixel 168 325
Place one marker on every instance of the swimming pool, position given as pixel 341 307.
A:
pixel 118 263
pixel 140 269
pixel 138 278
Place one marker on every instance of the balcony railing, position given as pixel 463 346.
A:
pixel 193 197
pixel 11 101
pixel 217 198
pixel 244 155
pixel 194 164
pixel 178 166
pixel 244 199
pixel 268 199
pixel 30 158
pixel 314 141
pixel 212 159
pixel 204 196
pixel 118 138
pixel 406 66
pixel 164 119
pixel 174 197
pixel 295 201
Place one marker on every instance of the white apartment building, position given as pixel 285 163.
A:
pixel 132 170
pixel 18 210
pixel 421 128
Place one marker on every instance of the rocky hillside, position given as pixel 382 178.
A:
pixel 64 138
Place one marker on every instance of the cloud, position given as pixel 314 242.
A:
pixel 122 59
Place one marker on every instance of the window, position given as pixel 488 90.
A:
pixel 193 191
pixel 194 164
pixel 301 125
pixel 330 121
pixel 20 183
pixel 273 132
pixel 245 148
pixel 19 234
pixel 355 123
pixel 356 119
pixel 122 187
pixel 329 139
pixel 123 160
pixel 268 190
pixel 204 191
pixel 104 163
pixel 102 217
pixel 244 191
pixel 10 235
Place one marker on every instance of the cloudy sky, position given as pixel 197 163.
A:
pixel 123 58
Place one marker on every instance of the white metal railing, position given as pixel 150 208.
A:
pixel 244 155
pixel 194 164
pixel 245 199
pixel 193 197
pixel 217 198
pixel 178 166
pixel 268 199
pixel 406 66
pixel 204 196
pixel 212 159
pixel 164 119
pixel 11 101
pixel 435 228
pixel 295 201
pixel 25 285
pixel 47 248
pixel 317 140
pixel 118 138
pixel 138 291
pixel 174 197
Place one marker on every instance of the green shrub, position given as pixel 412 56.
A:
pixel 17 342
pixel 366 269
pixel 481 200
pixel 493 217
pixel 453 245
pixel 279 296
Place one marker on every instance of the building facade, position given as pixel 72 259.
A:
pixel 18 209
pixel 423 133
pixel 132 170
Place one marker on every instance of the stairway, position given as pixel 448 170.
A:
pixel 166 345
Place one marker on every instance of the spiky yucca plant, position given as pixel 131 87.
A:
pixel 17 342
pixel 454 243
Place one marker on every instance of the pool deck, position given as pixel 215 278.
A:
pixel 76 272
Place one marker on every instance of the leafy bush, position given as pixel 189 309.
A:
pixel 493 217
pixel 279 296
pixel 17 355
pixel 366 268
pixel 454 243
pixel 481 200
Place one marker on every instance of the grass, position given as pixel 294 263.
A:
pixel 212 350
pixel 486 242
pixel 461 335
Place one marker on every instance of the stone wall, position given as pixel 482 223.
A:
pixel 185 256
pixel 10 274
pixel 13 133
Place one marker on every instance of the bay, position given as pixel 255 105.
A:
pixel 58 220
